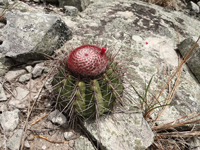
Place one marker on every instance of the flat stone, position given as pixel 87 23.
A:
pixel 19 100
pixel 13 143
pixel 24 78
pixel 14 74
pixel 9 120
pixel 2 94
pixel 28 36
pixel 122 131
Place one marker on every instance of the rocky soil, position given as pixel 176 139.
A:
pixel 146 33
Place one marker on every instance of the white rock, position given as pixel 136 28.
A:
pixel 24 77
pixel 9 120
pixel 37 70
pixel 57 117
pixel 26 144
pixel 29 68
pixel 3 108
pixel 19 99
pixel 194 7
pixel 44 147
pixel 14 74
pixel 71 135
pixel 198 3
pixel 137 38
pixel 20 93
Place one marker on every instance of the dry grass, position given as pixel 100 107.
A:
pixel 175 134
pixel 164 3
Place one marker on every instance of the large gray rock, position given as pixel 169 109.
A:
pixel 194 62
pixel 80 4
pixel 122 131
pixel 29 36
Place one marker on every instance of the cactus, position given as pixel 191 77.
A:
pixel 88 82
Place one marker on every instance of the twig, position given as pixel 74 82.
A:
pixel 39 119
pixel 29 113
pixel 52 141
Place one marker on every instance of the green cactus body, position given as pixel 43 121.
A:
pixel 89 96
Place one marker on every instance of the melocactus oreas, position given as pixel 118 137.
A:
pixel 88 82
pixel 87 60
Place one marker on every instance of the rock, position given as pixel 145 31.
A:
pixel 79 4
pixel 147 35
pixel 71 10
pixel 24 78
pixel 9 120
pixel 2 94
pixel 29 36
pixel 44 147
pixel 198 3
pixel 13 143
pixel 71 143
pixel 29 69
pixel 4 2
pixel 14 74
pixel 71 135
pixel 57 117
pixel 132 137
pixel 26 144
pixel 3 108
pixel 194 7
pixel 5 64
pixel 37 70
pixel 19 100
pixel 194 62
pixel 82 143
